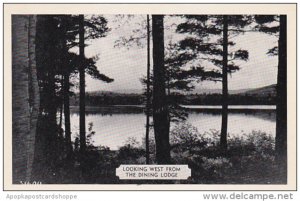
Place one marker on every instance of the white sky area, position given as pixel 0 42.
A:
pixel 127 66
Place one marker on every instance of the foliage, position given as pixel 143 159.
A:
pixel 138 35
pixel 266 97
pixel 109 98
pixel 131 153
pixel 249 157
pixel 218 167
pixel 268 24
pixel 54 32
pixel 90 134
pixel 204 42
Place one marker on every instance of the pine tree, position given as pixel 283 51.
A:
pixel 281 115
pixel 209 43
pixel 95 27
pixel 176 78
pixel 277 25
pixel 136 39
pixel 223 140
pixel 55 36
pixel 160 108
pixel 82 86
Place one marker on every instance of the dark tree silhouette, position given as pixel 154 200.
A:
pixel 66 71
pixel 177 79
pixel 82 86
pixel 160 108
pixel 48 66
pixel 93 27
pixel 148 92
pixel 277 25
pixel 236 22
pixel 223 140
pixel 209 41
pixel 56 65
pixel 136 39
pixel 281 116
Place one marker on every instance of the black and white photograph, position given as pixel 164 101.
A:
pixel 152 96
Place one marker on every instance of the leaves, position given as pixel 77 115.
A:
pixel 204 42
pixel 273 51
pixel 95 26
pixel 264 19
pixel 138 33
pixel 239 21
pixel 269 30
pixel 267 23
pixel 242 55
pixel 92 70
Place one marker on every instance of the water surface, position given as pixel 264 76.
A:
pixel 114 125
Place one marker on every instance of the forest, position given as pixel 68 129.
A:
pixel 49 70
pixel 262 96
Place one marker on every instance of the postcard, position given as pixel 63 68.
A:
pixel 150 97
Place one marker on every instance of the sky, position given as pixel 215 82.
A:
pixel 128 65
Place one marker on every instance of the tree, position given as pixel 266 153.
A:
pixel 223 140
pixel 93 27
pixel 48 134
pixel 137 40
pixel 25 94
pixel 160 108
pixel 281 115
pixel 277 25
pixel 209 42
pixel 237 22
pixel 179 79
pixel 34 97
pixel 66 71
pixel 82 86
pixel 148 92
pixel 176 80
pixel 57 64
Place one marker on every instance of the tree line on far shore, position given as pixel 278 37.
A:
pixel 252 97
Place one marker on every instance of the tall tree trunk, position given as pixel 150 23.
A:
pixel 82 85
pixel 160 109
pixel 281 110
pixel 223 141
pixel 67 111
pixel 61 109
pixel 34 96
pixel 25 96
pixel 61 117
pixel 148 92
pixel 46 138
pixel 169 94
pixel 66 88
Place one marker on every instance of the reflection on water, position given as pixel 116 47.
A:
pixel 114 125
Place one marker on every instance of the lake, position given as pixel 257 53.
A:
pixel 115 124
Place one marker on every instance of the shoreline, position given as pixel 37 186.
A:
pixel 197 108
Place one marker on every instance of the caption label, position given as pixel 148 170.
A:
pixel 151 172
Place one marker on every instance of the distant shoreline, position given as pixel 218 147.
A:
pixel 260 96
pixel 200 108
